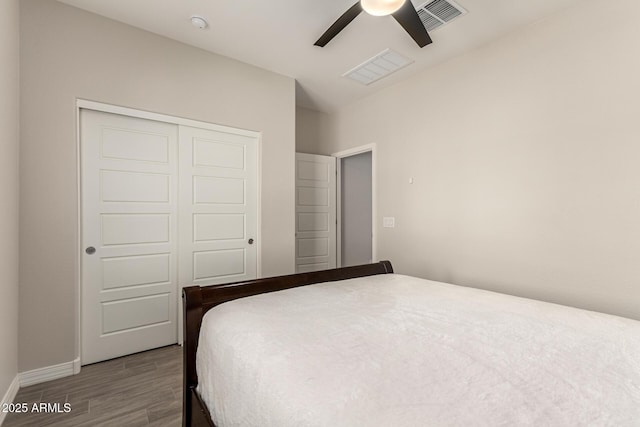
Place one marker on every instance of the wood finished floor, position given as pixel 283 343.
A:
pixel 143 389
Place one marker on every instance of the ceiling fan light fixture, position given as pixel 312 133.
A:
pixel 381 7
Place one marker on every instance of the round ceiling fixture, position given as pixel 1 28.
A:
pixel 381 7
pixel 199 22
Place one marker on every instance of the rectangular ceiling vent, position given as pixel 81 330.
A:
pixel 381 65
pixel 436 13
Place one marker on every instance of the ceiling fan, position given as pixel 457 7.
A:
pixel 402 10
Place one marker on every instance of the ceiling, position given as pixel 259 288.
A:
pixel 278 35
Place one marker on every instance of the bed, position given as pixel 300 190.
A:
pixel 364 346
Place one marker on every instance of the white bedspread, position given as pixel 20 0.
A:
pixel 392 350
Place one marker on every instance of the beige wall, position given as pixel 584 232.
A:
pixel 311 130
pixel 525 155
pixel 356 203
pixel 9 137
pixel 69 54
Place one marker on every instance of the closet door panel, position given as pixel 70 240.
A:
pixel 218 206
pixel 129 234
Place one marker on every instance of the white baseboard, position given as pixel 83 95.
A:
pixel 49 373
pixel 9 396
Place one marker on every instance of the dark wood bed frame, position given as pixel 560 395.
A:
pixel 197 300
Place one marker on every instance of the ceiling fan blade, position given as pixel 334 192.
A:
pixel 407 16
pixel 339 25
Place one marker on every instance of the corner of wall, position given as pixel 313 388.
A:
pixel 9 396
pixel 9 194
pixel 311 131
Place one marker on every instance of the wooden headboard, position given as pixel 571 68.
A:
pixel 197 300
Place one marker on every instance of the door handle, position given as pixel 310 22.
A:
pixel 250 241
pixel 90 250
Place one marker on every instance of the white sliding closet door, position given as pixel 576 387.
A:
pixel 315 212
pixel 163 206
pixel 129 235
pixel 218 206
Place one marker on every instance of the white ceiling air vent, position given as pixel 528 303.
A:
pixel 381 65
pixel 436 13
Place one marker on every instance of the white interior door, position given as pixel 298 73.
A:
pixel 315 212
pixel 218 206
pixel 129 235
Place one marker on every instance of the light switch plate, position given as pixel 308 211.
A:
pixel 389 222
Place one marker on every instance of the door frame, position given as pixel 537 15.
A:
pixel 84 104
pixel 374 197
